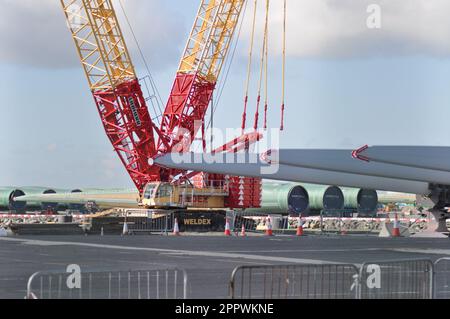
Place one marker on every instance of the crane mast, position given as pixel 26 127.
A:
pixel 197 75
pixel 115 87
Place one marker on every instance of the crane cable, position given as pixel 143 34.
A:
pixel 159 102
pixel 266 56
pixel 284 67
pixel 249 67
pixel 228 60
pixel 262 67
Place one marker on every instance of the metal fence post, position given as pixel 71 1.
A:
pixel 432 279
pixel 167 226
pixel 357 283
pixel 231 285
pixel 321 222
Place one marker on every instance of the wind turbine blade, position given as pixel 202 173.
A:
pixel 251 165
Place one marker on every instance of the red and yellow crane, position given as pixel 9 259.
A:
pixel 114 84
pixel 199 70
pixel 122 107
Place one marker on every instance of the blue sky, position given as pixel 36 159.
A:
pixel 344 89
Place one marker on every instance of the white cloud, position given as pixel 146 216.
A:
pixel 33 32
pixel 337 28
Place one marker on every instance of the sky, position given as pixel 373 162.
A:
pixel 347 85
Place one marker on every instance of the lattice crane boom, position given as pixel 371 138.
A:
pixel 112 79
pixel 199 70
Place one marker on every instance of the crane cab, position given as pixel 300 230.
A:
pixel 160 195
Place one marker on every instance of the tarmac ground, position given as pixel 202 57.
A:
pixel 208 260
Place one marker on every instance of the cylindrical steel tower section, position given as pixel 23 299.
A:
pixel 327 198
pixel 365 201
pixel 49 206
pixel 77 207
pixel 40 205
pixel 284 198
pixel 7 202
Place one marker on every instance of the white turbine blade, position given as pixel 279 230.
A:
pixel 426 157
pixel 252 166
pixel 342 161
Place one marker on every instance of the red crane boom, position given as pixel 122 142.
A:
pixel 118 96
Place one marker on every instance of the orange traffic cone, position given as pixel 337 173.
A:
pixel 269 231
pixel 227 228
pixel 300 226
pixel 396 229
pixel 243 234
pixel 176 228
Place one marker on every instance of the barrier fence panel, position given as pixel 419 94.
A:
pixel 347 221
pixel 409 279
pixel 329 222
pixel 253 222
pixel 258 222
pixel 137 284
pixel 442 278
pixel 328 281
pixel 153 222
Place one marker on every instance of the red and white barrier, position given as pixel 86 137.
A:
pixel 30 216
pixel 378 220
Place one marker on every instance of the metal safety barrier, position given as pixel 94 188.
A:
pixel 343 221
pixel 154 222
pixel 325 281
pixel 442 278
pixel 136 284
pixel 257 222
pixel 398 279
pixel 405 279
pixel 402 279
pixel 251 221
pixel 329 222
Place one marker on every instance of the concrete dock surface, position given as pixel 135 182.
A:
pixel 209 261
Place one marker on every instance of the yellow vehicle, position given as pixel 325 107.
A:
pixel 159 195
